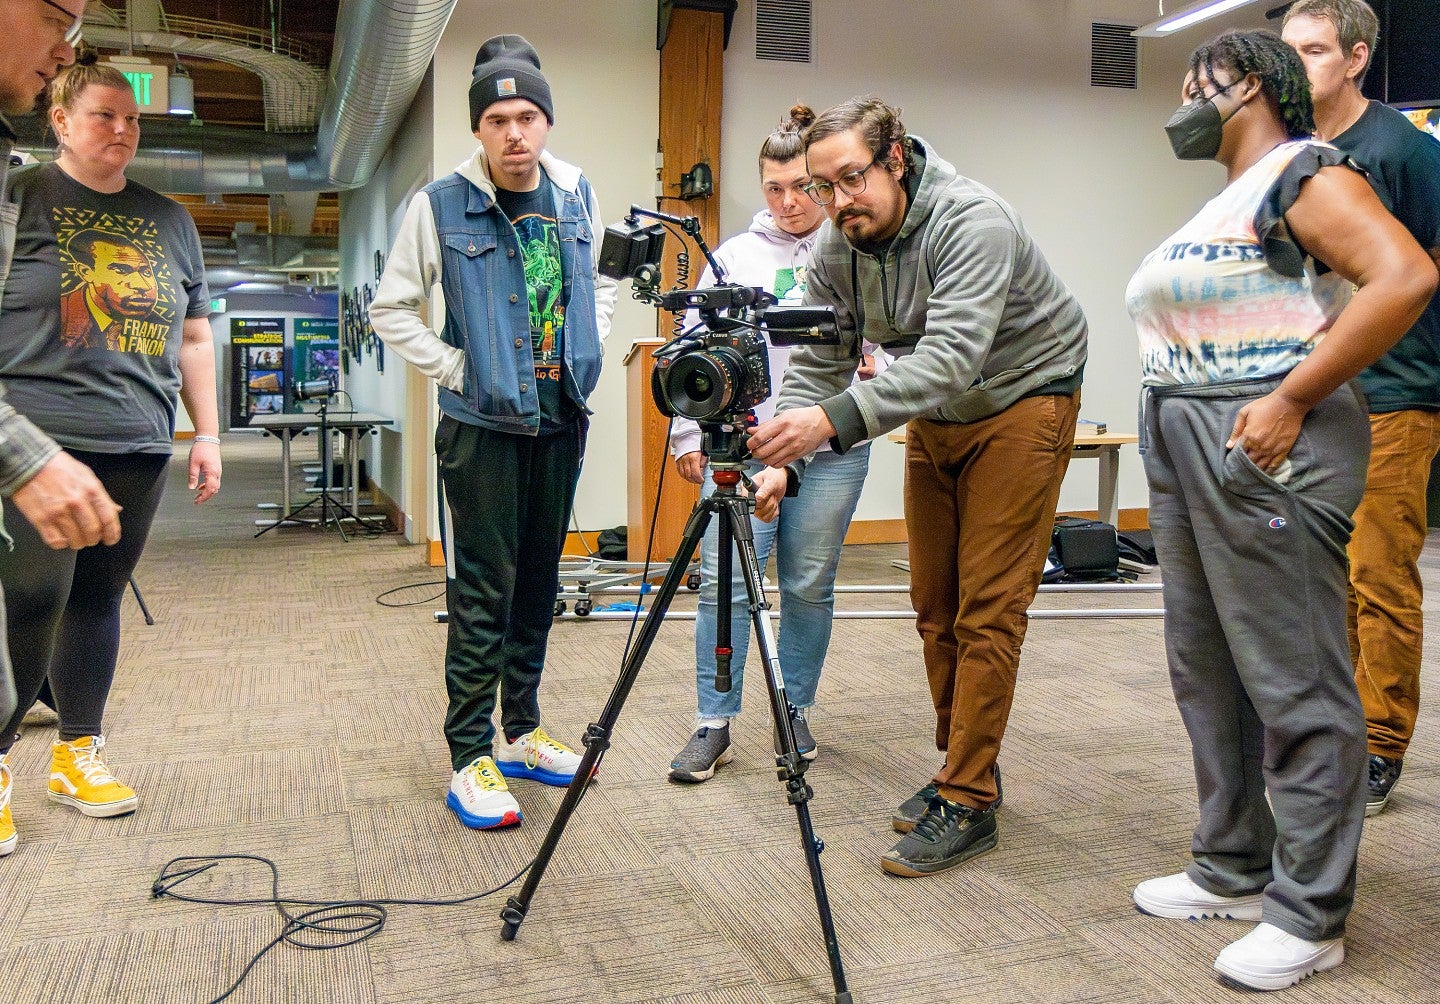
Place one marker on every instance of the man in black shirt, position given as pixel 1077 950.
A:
pixel 1335 39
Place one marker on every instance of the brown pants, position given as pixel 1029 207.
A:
pixel 979 507
pixel 1386 622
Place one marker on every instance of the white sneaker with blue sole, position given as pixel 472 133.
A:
pixel 536 757
pixel 479 796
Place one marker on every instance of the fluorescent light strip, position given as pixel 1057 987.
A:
pixel 1179 22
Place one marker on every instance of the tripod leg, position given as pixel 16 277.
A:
pixel 790 765
pixel 597 736
pixel 135 588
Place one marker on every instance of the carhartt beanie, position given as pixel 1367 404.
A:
pixel 507 66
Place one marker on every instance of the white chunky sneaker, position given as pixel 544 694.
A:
pixel 537 757
pixel 1269 959
pixel 1179 898
pixel 480 797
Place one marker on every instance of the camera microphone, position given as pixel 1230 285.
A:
pixel 306 390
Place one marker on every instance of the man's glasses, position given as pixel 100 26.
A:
pixel 852 184
pixel 72 33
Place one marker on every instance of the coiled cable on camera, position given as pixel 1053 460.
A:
pixel 682 281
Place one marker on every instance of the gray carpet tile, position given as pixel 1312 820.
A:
pixel 276 708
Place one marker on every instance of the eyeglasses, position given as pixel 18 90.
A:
pixel 852 184
pixel 72 33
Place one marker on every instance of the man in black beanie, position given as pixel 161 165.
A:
pixel 512 237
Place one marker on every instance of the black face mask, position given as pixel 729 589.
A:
pixel 1195 130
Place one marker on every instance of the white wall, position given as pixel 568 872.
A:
pixel 1003 93
pixel 369 217
pixel 999 87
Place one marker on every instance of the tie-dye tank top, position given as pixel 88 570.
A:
pixel 1208 305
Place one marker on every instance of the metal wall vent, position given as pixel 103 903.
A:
pixel 783 30
pixel 1114 56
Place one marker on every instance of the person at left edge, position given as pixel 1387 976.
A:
pixel 109 400
pixel 510 237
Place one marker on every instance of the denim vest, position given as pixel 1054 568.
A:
pixel 487 305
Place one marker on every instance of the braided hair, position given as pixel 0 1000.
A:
pixel 1265 54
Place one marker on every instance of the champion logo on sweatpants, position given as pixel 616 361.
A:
pixel 1278 523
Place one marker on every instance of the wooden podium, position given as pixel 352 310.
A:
pixel 646 451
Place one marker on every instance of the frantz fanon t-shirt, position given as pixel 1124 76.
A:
pixel 90 324
pixel 532 214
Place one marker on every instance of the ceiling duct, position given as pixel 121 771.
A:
pixel 382 50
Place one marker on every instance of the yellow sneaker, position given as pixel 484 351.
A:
pixel 79 778
pixel 7 824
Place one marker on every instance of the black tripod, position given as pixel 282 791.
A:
pixel 734 511
pixel 330 510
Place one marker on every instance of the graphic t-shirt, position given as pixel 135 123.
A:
pixel 90 325
pixel 533 216
pixel 1210 304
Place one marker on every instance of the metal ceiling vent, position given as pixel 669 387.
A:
pixel 782 30
pixel 1114 56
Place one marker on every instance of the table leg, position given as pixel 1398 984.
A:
pixel 285 474
pixel 1109 507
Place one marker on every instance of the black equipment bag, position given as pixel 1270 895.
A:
pixel 1083 550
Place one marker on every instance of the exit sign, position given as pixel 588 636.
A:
pixel 150 81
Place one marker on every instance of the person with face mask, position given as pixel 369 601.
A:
pixel 1255 448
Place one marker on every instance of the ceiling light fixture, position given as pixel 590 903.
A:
pixel 182 91
pixel 1168 24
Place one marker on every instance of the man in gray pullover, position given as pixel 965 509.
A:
pixel 989 349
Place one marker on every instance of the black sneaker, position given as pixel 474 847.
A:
pixel 947 835
pixel 910 810
pixel 804 741
pixel 706 752
pixel 1380 780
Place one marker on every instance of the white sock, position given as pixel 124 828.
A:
pixel 711 723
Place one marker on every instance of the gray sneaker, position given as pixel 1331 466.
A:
pixel 804 741
pixel 707 751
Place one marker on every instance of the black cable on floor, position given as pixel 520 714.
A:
pixel 320 926
pixel 413 603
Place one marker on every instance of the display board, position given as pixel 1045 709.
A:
pixel 315 356
pixel 258 383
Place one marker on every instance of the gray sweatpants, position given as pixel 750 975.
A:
pixel 1255 575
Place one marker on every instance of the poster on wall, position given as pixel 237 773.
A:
pixel 315 358
pixel 257 362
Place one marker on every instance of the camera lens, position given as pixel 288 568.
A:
pixel 702 385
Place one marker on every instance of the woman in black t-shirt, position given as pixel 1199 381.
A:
pixel 99 369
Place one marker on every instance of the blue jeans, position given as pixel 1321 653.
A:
pixel 810 530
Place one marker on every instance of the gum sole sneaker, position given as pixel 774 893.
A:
pixel 480 798
pixel 1177 897
pixel 947 835
pixel 536 757
pixel 80 779
pixel 1270 959
pixel 910 810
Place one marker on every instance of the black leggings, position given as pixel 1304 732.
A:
pixel 62 608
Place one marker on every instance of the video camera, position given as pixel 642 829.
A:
pixel 719 369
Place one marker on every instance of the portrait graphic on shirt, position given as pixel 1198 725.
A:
pixel 116 288
pixel 540 245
